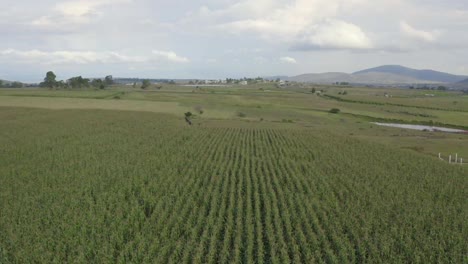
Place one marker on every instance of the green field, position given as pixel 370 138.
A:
pixel 118 176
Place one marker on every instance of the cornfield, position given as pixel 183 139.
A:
pixel 108 186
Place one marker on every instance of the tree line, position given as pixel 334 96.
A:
pixel 4 84
pixel 50 81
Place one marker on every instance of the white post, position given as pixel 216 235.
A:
pixel 450 158
pixel 461 161
pixel 440 157
pixel 456 158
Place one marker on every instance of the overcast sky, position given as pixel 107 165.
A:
pixel 228 38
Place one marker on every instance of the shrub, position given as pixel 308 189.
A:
pixel 199 109
pixel 334 110
pixel 241 114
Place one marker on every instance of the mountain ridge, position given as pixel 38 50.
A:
pixel 385 74
pixel 425 74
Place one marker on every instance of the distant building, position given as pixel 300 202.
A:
pixel 243 83
pixel 214 81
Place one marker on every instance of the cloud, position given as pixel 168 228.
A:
pixel 96 36
pixel 68 57
pixel 75 12
pixel 306 23
pixel 334 34
pixel 87 57
pixel 288 60
pixel 170 56
pixel 421 35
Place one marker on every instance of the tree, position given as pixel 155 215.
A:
pixel 109 80
pixel 16 85
pixel 50 80
pixel 146 83
pixel 78 82
pixel 313 90
pixel 1 83
pixel 62 84
pixel 98 83
pixel 441 88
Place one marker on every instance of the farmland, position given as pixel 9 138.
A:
pixel 118 176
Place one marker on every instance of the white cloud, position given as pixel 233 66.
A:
pixel 309 23
pixel 85 7
pixel 421 35
pixel 289 60
pixel 75 12
pixel 260 60
pixel 334 34
pixel 68 57
pixel 170 56
pixel 87 57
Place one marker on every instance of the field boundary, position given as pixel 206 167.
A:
pixel 337 98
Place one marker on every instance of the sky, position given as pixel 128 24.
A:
pixel 214 39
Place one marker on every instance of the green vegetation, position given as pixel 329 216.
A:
pixel 50 80
pixel 145 84
pixel 122 186
pixel 257 174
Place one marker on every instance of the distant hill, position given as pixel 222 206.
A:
pixel 329 77
pixel 464 81
pixel 426 75
pixel 388 74
pixel 272 78
pixel 363 78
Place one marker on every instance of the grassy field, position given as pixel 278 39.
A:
pixel 118 176
pixel 295 105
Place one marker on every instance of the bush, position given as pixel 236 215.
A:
pixel 334 110
pixel 199 109
pixel 241 114
pixel 188 114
